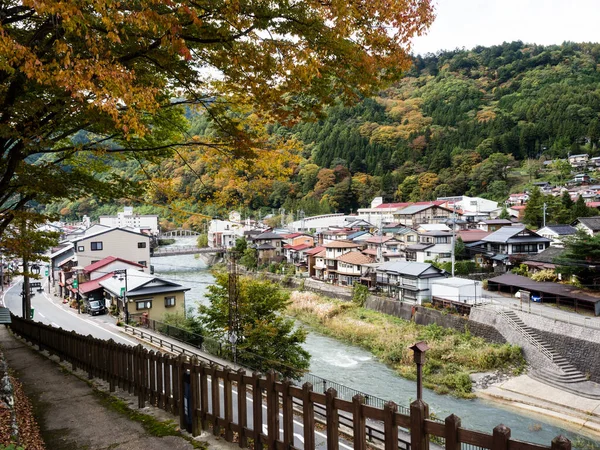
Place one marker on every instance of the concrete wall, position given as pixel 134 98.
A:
pixel 533 356
pixel 579 345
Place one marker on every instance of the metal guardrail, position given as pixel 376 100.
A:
pixel 527 335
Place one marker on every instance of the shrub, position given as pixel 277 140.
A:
pixel 360 292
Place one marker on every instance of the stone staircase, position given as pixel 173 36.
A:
pixel 564 376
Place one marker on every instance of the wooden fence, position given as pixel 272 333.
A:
pixel 203 397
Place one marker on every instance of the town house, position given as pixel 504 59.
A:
pixel 407 281
pixel 351 267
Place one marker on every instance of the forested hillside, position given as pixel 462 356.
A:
pixel 455 124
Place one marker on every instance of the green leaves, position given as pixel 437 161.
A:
pixel 265 338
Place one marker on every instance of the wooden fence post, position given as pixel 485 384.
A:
pixel 560 443
pixel 272 409
pixel 288 415
pixel 501 436
pixel 419 411
pixel 390 426
pixel 178 379
pixel 216 404
pixel 333 420
pixel 242 410
pixel 308 417
pixel 195 396
pixel 452 423
pixel 257 402
pixel 358 420
pixel 203 396
pixel 228 403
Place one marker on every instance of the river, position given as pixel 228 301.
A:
pixel 358 369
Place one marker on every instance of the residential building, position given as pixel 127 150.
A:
pixel 496 249
pixel 146 295
pixel 408 281
pixel 146 223
pixel 333 250
pixel 108 265
pixel 493 224
pixel 557 233
pixel 520 198
pixel 311 261
pixel 581 178
pixel 383 248
pixel 224 233
pixel 471 209
pixel 380 213
pixel 419 213
pixel 320 264
pixel 579 160
pixel 269 246
pixel 432 246
pixel 591 225
pixel 351 267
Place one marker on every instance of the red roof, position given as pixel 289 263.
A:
pixel 298 247
pixel 406 204
pixel 292 235
pixel 519 207
pixel 90 286
pixel 314 251
pixel 103 262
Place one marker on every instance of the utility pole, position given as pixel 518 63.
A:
pixel 123 273
pixel 453 239
pixel 544 219
pixel 26 293
pixel 233 322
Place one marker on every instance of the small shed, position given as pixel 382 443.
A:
pixel 459 293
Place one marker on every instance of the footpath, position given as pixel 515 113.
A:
pixel 75 413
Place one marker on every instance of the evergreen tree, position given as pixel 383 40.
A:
pixel 534 210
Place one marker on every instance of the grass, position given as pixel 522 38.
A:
pixel 451 358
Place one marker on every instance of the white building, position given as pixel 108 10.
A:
pixel 147 223
pixel 319 223
pixel 224 233
pixel 473 209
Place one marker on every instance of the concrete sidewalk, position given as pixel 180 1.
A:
pixel 75 414
pixel 526 393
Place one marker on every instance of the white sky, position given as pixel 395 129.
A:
pixel 468 23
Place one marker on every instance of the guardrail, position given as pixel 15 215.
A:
pixel 541 311
pixel 527 335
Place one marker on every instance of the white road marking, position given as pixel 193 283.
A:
pixel 85 320
pixel 41 315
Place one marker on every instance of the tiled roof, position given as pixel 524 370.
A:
pixel 355 258
pixel 593 223
pixel 340 244
pixel 379 239
pixel 315 250
pixel 103 262
pixel 90 286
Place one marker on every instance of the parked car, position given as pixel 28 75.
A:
pixel 95 307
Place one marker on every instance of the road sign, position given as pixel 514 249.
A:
pixel 75 283
pixel 46 273
pixel 122 292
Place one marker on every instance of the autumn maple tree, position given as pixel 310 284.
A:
pixel 83 81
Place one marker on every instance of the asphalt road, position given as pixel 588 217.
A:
pixel 51 311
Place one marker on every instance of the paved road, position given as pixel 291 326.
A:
pixel 51 311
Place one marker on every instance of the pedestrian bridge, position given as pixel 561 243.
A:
pixel 180 232
pixel 189 250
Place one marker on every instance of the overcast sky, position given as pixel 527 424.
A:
pixel 468 23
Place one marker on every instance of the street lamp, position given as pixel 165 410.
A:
pixel 121 274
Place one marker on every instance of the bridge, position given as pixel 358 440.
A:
pixel 188 250
pixel 180 232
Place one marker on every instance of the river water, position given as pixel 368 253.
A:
pixel 358 369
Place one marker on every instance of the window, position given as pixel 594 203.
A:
pixel 143 304
pixel 96 245
pixel 142 263
pixel 141 245
pixel 80 248
pixel 445 255
pixel 169 301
